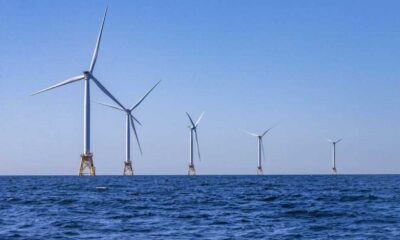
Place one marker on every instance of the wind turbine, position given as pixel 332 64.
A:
pixel 193 131
pixel 334 154
pixel 130 119
pixel 87 155
pixel 260 147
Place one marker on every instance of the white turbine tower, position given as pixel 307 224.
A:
pixel 193 131
pixel 87 155
pixel 334 171
pixel 260 148
pixel 130 120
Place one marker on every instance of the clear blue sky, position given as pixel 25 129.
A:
pixel 319 68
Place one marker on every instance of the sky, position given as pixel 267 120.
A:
pixel 318 69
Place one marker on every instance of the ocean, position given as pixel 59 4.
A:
pixel 200 207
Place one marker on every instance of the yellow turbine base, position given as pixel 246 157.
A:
pixel 128 170
pixel 260 171
pixel 191 171
pixel 87 163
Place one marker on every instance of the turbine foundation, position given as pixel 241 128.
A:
pixel 260 171
pixel 87 163
pixel 191 171
pixel 334 172
pixel 128 170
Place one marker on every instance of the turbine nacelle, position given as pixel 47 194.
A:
pixel 86 75
pixel 334 141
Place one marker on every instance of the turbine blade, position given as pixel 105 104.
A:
pixel 69 80
pixel 137 138
pixel 339 140
pixel 267 130
pixel 135 119
pixel 252 134
pixel 197 143
pixel 96 49
pixel 141 100
pixel 198 121
pixel 104 90
pixel 191 121
pixel 329 140
pixel 109 105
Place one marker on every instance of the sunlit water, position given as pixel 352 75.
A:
pixel 201 207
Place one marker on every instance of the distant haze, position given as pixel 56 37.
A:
pixel 318 68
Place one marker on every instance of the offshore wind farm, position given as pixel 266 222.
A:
pixel 87 156
pixel 247 105
pixel 175 138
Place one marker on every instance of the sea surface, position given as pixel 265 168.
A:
pixel 200 207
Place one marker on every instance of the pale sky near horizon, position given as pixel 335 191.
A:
pixel 318 68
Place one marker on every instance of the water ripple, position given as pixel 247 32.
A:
pixel 202 207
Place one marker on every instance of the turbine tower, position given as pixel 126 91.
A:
pixel 334 154
pixel 130 120
pixel 193 131
pixel 260 149
pixel 87 155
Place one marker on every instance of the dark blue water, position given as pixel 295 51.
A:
pixel 202 207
